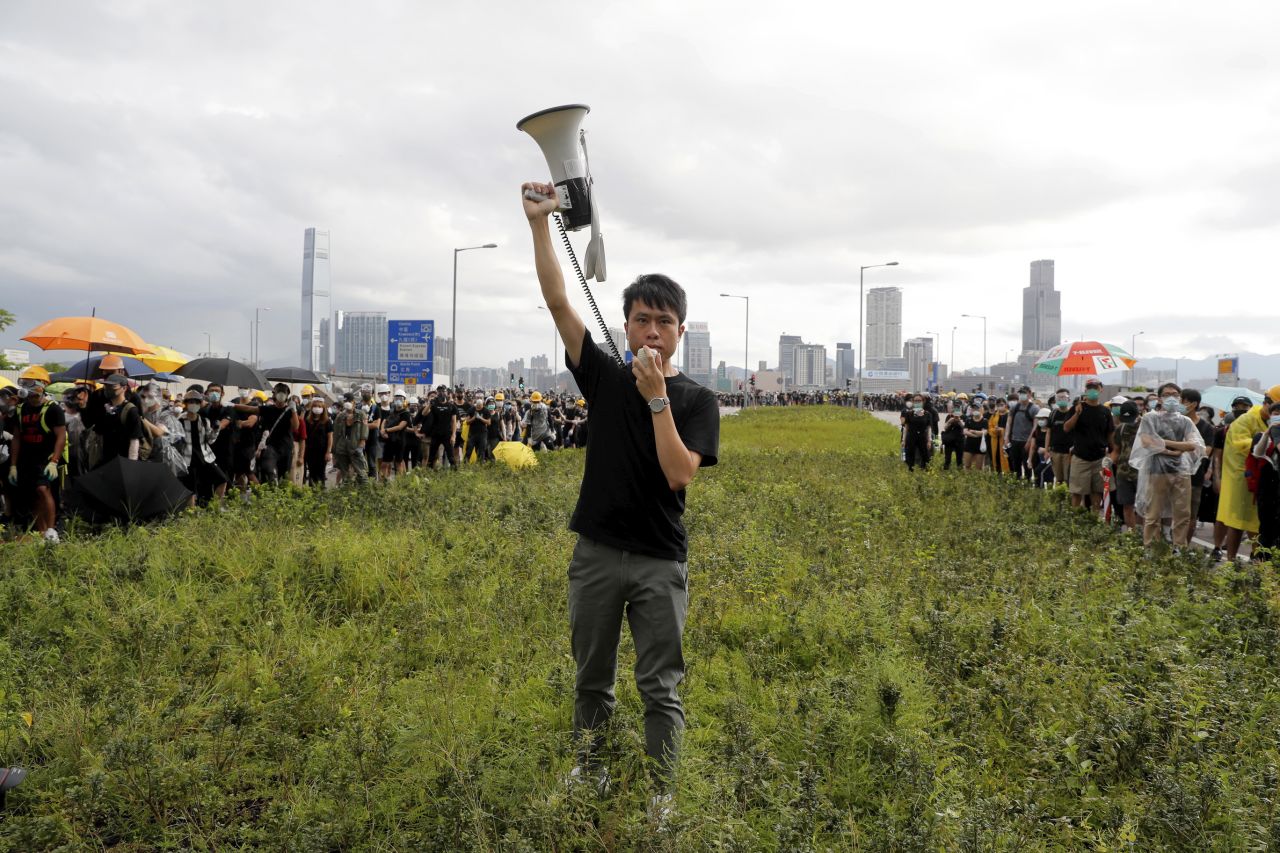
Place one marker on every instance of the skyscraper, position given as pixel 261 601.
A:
pixel 786 347
pixel 326 351
pixel 918 353
pixel 315 286
pixel 1041 310
pixel 361 343
pixel 846 365
pixel 809 365
pixel 884 325
pixel 696 347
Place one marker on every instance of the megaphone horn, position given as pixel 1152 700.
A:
pixel 557 134
pixel 556 130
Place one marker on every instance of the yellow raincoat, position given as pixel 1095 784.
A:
pixel 1235 506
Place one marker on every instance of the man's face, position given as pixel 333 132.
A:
pixel 656 328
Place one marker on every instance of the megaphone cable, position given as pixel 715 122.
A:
pixel 591 300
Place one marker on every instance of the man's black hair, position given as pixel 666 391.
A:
pixel 1173 385
pixel 1063 391
pixel 657 290
pixel 199 389
pixel 1190 395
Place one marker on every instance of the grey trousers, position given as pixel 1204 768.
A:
pixel 606 583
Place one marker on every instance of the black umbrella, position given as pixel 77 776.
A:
pixel 88 369
pixel 127 490
pixel 294 374
pixel 224 371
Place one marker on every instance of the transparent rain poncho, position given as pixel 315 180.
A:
pixel 1150 454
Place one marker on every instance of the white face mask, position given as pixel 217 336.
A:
pixel 348 407
pixel 193 408
pixel 281 396
pixel 317 410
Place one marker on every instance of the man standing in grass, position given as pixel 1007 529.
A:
pixel 652 428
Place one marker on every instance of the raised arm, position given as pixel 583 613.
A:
pixel 550 278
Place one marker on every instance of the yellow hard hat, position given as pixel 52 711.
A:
pixel 1273 393
pixel 111 362
pixel 535 397
pixel 260 395
pixel 35 371
pixel 581 402
pixel 308 391
pixel 499 396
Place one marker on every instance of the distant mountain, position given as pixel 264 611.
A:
pixel 1264 368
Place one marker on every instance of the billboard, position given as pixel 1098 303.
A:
pixel 1229 370
pixel 410 352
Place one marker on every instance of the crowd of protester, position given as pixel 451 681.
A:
pixel 1147 460
pixel 213 440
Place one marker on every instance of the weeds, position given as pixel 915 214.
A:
pixel 876 661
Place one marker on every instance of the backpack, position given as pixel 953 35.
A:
pixel 145 444
pixel 1125 435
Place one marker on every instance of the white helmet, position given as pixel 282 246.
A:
pixel 383 388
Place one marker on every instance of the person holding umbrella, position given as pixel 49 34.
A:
pixel 38 457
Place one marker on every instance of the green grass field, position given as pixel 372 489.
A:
pixel 876 662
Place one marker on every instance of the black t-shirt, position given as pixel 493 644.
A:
pixel 625 501
pixel 38 445
pixel 973 443
pixel 919 423
pixel 119 426
pixel 953 429
pixel 395 418
pixel 246 437
pixel 279 437
pixel 1089 438
pixel 1060 440
pixel 318 436
pixel 495 423
pixel 442 412
pixel 214 414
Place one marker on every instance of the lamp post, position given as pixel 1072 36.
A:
pixel 257 327
pixel 986 368
pixel 1133 351
pixel 555 345
pixel 952 366
pixel 862 303
pixel 746 357
pixel 934 335
pixel 208 344
pixel 453 322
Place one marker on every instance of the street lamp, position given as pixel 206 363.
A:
pixel 208 344
pixel 1133 352
pixel 453 322
pixel 952 365
pixel 935 359
pixel 986 368
pixel 746 358
pixel 862 302
pixel 257 327
pixel 555 346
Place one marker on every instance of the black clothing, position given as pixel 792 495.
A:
pixel 37 440
pixel 973 444
pixel 118 427
pixel 279 435
pixel 1093 428
pixel 441 419
pixel 625 501
pixel 1206 435
pixel 1059 439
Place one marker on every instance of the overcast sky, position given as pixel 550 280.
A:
pixel 160 160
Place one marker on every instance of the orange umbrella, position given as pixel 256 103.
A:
pixel 86 333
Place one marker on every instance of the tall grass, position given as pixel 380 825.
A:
pixel 876 661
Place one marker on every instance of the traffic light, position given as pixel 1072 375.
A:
pixel 513 378
pixel 848 383
pixel 521 383
pixel 753 381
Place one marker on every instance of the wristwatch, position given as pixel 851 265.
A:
pixel 657 404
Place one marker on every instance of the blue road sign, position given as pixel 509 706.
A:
pixel 410 352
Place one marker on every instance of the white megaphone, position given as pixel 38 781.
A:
pixel 564 145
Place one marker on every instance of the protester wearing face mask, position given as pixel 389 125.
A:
pixel 161 430
pixel 1166 453
pixel 38 457
pixel 121 423
pixel 975 439
pixel 996 424
pixel 1202 477
pixel 395 424
pixel 1125 479
pixel 198 436
pixel 1266 453
pixel 74 400
pixel 278 420
pixel 350 432
pixel 918 427
pixel 478 433
pixel 1091 428
pixel 9 427
pixel 1059 439
pixel 1237 508
pixel 318 447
